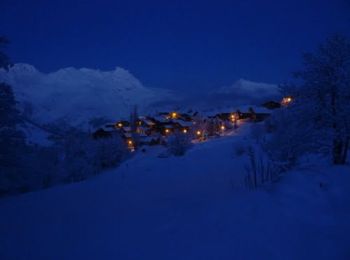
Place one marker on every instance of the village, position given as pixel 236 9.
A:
pixel 155 130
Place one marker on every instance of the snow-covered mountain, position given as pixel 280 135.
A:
pixel 79 95
pixel 240 93
pixel 249 89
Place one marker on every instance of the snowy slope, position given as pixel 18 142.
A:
pixel 240 93
pixel 248 89
pixel 78 95
pixel 191 207
pixel 245 92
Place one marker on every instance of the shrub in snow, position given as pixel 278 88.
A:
pixel 178 143
pixel 260 168
pixel 110 151
pixel 239 149
pixel 84 156
pixel 290 139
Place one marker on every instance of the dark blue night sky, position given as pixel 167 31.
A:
pixel 172 44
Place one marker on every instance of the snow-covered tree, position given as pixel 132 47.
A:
pixel 83 156
pixel 12 140
pixel 325 93
pixel 318 118
pixel 4 59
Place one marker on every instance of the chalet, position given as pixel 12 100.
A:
pixel 286 100
pixel 121 124
pixel 147 126
pixel 167 129
pixel 186 117
pixel 224 116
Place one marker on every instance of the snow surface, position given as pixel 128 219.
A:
pixel 191 207
pixel 78 95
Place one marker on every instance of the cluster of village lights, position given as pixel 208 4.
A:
pixel 174 115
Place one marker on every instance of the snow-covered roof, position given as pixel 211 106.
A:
pixel 126 128
pixel 184 123
pixel 161 119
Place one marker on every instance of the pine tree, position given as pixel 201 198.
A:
pixel 12 141
pixel 4 59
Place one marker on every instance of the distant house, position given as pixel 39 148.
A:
pixel 261 116
pixel 105 132
pixel 101 133
pixel 271 105
pixel 121 124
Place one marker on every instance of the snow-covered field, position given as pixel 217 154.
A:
pixel 191 207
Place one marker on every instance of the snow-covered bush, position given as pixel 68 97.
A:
pixel 109 151
pixel 290 138
pixel 84 156
pixel 178 143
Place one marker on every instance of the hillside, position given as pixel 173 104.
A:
pixel 191 207
pixel 78 95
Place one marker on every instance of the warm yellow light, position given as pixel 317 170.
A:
pixel 222 127
pixel 198 132
pixel 287 100
pixel 174 115
pixel 129 142
pixel 167 131
pixel 184 131
pixel 120 125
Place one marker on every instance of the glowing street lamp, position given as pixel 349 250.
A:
pixel 173 115
pixel 184 131
pixel 233 117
